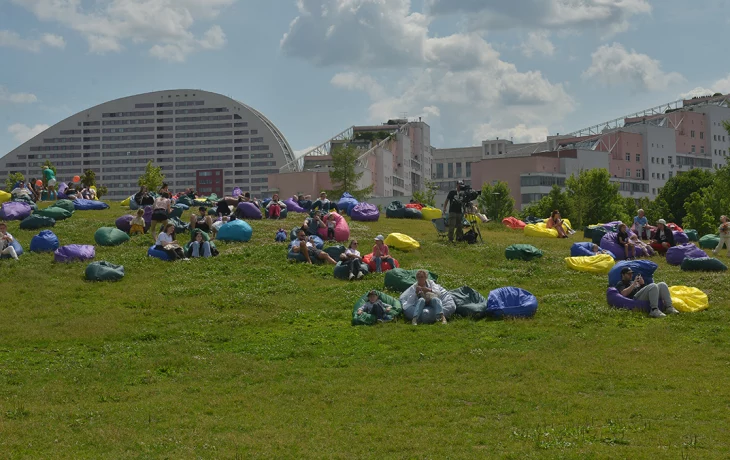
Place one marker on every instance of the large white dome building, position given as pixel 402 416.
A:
pixel 200 139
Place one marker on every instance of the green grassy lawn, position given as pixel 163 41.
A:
pixel 248 356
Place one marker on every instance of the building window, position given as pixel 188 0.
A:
pixel 451 170
pixel 662 160
pixel 652 159
pixel 691 134
pixel 628 172
pixel 702 149
pixel 702 135
pixel 670 174
pixel 638 158
pixel 439 170
pixel 458 170
pixel 653 175
pixel 628 157
pixel 638 173
pixel 468 169
pixel 653 191
pixel 693 149
pixel 663 176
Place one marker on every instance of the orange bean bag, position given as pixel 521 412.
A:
pixel 414 206
pixel 513 223
pixel 368 259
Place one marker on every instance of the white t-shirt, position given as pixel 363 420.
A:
pixel 217 225
pixel 5 243
pixel 353 252
pixel 163 239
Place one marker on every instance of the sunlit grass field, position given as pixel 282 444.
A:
pixel 248 356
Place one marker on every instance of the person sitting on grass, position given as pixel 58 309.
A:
pixel 199 247
pixel 662 238
pixel 165 189
pixel 423 293
pixel 352 258
pixel 88 193
pixel 201 220
pixel 71 192
pixel 160 212
pixel 623 240
pixel 6 242
pixel 323 204
pixel 557 223
pixel 374 306
pixel 303 201
pixel 138 224
pixel 381 254
pixel 637 289
pixel 724 232
pixel 143 197
pixel 314 223
pixel 274 207
pixel 167 243
pixel 309 250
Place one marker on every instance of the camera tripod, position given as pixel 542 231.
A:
pixel 473 221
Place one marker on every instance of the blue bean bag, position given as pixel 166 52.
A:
pixel 644 267
pixel 89 205
pixel 35 222
pixel 249 210
pixel 236 230
pixel 45 241
pixel 72 252
pixel 15 210
pixel 104 271
pixel 365 212
pixel 346 202
pixel 676 254
pixel 609 242
pixel 511 302
pixel 616 300
pixel 133 205
pixel 707 264
pixel 585 249
pixel 157 254
pixel 18 249
pixel 680 237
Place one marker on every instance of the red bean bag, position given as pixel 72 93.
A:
pixel 513 223
pixel 368 259
pixel 414 206
pixel 674 227
pixel 342 230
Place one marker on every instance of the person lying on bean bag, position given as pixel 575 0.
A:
pixel 202 220
pixel 307 248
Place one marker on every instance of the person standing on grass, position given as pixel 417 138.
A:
pixel 456 213
pixel 308 249
pixel 724 232
pixel 6 242
pixel 50 178
pixel 662 238
pixel 423 293
pixel 640 223
pixel 160 212
pixel 381 254
pixel 636 288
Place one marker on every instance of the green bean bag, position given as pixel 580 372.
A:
pixel 395 210
pixel 176 212
pixel 469 303
pixel 709 241
pixel 110 236
pixel 35 222
pixel 412 213
pixel 342 271
pixel 55 212
pixel 195 231
pixel 180 226
pixel 692 235
pixel 399 279
pixel 335 251
pixel 366 319
pixel 185 200
pixel 597 234
pixel 68 205
pixel 708 264
pixel 522 252
pixel 104 271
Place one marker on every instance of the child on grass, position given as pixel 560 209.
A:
pixel 376 307
pixel 138 223
pixel 623 240
pixel 331 224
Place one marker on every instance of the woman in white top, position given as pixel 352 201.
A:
pixel 352 258
pixel 6 242
pixel 167 243
pixel 160 211
pixel 423 293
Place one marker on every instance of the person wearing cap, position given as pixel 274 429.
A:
pixel 456 213
pixel 662 238
pixel 323 204
pixel 381 254
pixel 6 242
pixel 636 288
pixel 424 293
pixel 374 306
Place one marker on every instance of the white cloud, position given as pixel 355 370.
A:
pixel 720 86
pixel 23 133
pixel 613 65
pixel 697 92
pixel 538 42
pixel 16 98
pixel 10 39
pixel 354 81
pixel 166 26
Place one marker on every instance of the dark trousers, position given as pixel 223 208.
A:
pixel 456 222
pixel 354 265
pixel 174 254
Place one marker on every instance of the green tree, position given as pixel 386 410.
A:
pixel 630 207
pixel 101 191
pixel 89 178
pixel 678 189
pixel 428 196
pixel 343 175
pixel 152 177
pixel 496 201
pixel 594 198
pixel 13 178
pixel 556 199
pixel 698 212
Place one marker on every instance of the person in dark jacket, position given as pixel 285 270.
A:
pixel 662 238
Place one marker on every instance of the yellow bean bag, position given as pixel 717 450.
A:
pixel 688 299
pixel 540 229
pixel 126 202
pixel 600 263
pixel 430 213
pixel 4 196
pixel 402 242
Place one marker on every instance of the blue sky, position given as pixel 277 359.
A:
pixel 474 69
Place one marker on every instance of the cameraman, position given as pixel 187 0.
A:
pixel 456 212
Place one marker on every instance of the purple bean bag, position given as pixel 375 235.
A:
pixel 616 300
pixel 61 188
pixel 365 212
pixel 249 210
pixel 147 217
pixel 236 192
pixel 346 203
pixel 613 224
pixel 609 243
pixel 680 237
pixel 15 210
pixel 676 254
pixel 293 206
pixel 73 252
pixel 124 223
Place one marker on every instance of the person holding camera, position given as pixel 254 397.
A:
pixel 639 290
pixel 456 212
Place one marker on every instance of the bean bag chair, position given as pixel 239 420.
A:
pixel 511 302
pixel 180 226
pixel 186 200
pixel 469 303
pixel 104 271
pixel 365 212
pixel 293 206
pixel 68 205
pixel 157 254
pixel 89 205
pixel 299 257
pixel 616 300
pixel 61 187
pixel 18 249
pixel 175 211
pixel 335 251
pixel 126 202
pixel 342 271
pixel 680 237
pixel 35 222
pixel 54 213
pixel 402 242
pixel 676 254
pixel 429 213
pixel 124 223
pixel 5 196
pixel 346 201
pixel 597 234
pixel 584 249
pixel 708 264
pixel 182 206
pixel 249 210
pixel 237 192
pixel 368 260
pixel 342 230
pixel 399 280
pixel 133 206
pixel 600 263
pixel 709 241
pixel 45 241
pixel 412 213
pixel 674 227
pixel 688 299
pixel 14 210
pixel 73 252
pixel 644 267
pixel 366 319
pixel 692 235
pixel 147 216
pixel 235 230
pixel 522 252
pixel 540 231
pixel 609 242
pixel 513 223
pixel 109 236
pixel 418 206
pixel 395 210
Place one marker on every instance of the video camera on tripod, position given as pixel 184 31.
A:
pixel 466 196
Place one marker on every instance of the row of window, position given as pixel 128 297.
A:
pixel 136 137
pixel 197 127
pixel 542 181
pixel 210 110
pixel 54 140
pixel 142 121
pixel 206 118
pixel 136 145
pixel 139 129
pixel 128 114
pixel 692 134
pixel 259 147
pixel 638 157
pixel 208 150
pixel 206 142
pixel 204 134
pixel 718 137
pixel 439 172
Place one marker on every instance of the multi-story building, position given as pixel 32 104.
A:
pixel 200 139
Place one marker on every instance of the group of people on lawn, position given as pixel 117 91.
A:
pixel 34 189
